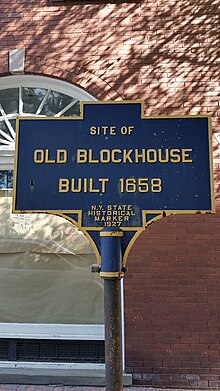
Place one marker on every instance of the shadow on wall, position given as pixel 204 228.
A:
pixel 172 303
pixel 165 53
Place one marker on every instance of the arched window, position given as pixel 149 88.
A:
pixel 34 96
pixel 46 287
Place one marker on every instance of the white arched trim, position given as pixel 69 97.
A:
pixel 45 82
pixel 31 81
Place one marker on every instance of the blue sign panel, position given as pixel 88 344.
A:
pixel 113 167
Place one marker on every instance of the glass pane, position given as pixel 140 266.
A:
pixel 32 98
pixel 49 288
pixel 3 180
pixel 10 179
pixel 9 100
pixel 73 111
pixel 6 179
pixel 55 103
pixel 45 262
pixel 45 270
pixel 5 129
pixel 13 123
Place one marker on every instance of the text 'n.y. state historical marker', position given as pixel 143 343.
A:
pixel 113 167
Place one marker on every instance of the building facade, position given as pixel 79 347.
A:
pixel 55 54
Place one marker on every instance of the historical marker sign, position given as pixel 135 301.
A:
pixel 113 167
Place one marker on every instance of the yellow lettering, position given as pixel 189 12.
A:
pixel 163 157
pixel 117 155
pixel 175 155
pixel 105 156
pixel 92 189
pixel 103 184
pixel 47 160
pixel 92 130
pixel 61 156
pixel 81 156
pixel 141 156
pixel 85 188
pixel 112 131
pixel 76 188
pixel 114 152
pixel 151 155
pixel 126 155
pixel 43 156
pixel 85 185
pixel 91 160
pixel 63 185
pixel 130 129
pixel 38 156
pixel 186 154
pixel 102 130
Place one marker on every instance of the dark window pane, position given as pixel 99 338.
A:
pixel 73 111
pixel 32 98
pixel 4 140
pixel 6 179
pixel 13 123
pixel 9 100
pixel 55 102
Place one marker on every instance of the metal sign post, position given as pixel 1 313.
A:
pixel 112 171
pixel 111 259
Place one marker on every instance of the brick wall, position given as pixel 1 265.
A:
pixel 167 54
pixel 172 303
